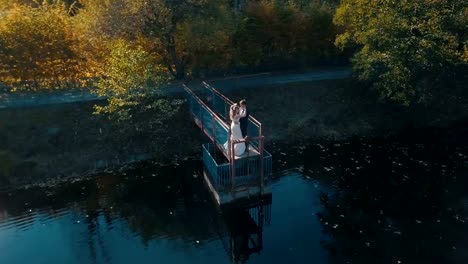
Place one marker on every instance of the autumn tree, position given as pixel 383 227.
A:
pixel 37 47
pixel 188 35
pixel 99 24
pixel 206 40
pixel 55 43
pixel 132 82
pixel 409 51
pixel 159 41
pixel 178 27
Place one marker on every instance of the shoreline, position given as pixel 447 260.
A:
pixel 67 140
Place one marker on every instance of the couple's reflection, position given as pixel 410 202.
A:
pixel 242 229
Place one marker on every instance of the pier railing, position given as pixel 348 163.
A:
pixel 228 172
pixel 248 170
pixel 220 104
pixel 209 122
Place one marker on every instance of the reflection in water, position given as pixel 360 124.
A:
pixel 143 205
pixel 243 234
pixel 167 209
pixel 363 201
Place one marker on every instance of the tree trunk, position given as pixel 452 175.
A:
pixel 178 63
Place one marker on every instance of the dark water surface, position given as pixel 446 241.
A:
pixel 162 215
pixel 362 201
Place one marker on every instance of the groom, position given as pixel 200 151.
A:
pixel 244 120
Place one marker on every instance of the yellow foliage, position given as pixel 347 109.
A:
pixel 38 47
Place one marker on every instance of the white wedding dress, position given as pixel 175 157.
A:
pixel 236 134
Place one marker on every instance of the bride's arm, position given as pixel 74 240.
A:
pixel 235 117
pixel 233 114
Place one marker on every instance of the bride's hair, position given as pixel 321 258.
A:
pixel 233 110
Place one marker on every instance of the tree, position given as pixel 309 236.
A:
pixel 409 50
pixel 37 47
pixel 135 59
pixel 187 35
pixel 168 21
pixel 98 25
pixel 132 82
pixel 206 40
pixel 281 34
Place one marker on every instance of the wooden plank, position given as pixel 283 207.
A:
pixel 252 152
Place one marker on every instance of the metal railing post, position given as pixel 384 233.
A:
pixel 201 117
pixel 261 159
pixel 213 122
pixel 214 132
pixel 233 167
pixel 213 100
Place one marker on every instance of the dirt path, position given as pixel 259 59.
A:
pixel 257 80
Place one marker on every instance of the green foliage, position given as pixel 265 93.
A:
pixel 410 51
pixel 276 34
pixel 205 39
pixel 132 83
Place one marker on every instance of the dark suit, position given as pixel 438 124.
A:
pixel 244 122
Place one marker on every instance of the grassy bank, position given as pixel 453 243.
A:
pixel 68 139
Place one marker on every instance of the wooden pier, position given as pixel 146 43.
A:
pixel 229 177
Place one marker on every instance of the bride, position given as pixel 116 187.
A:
pixel 236 133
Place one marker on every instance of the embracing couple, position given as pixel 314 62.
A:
pixel 239 121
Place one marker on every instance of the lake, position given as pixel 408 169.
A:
pixel 388 200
